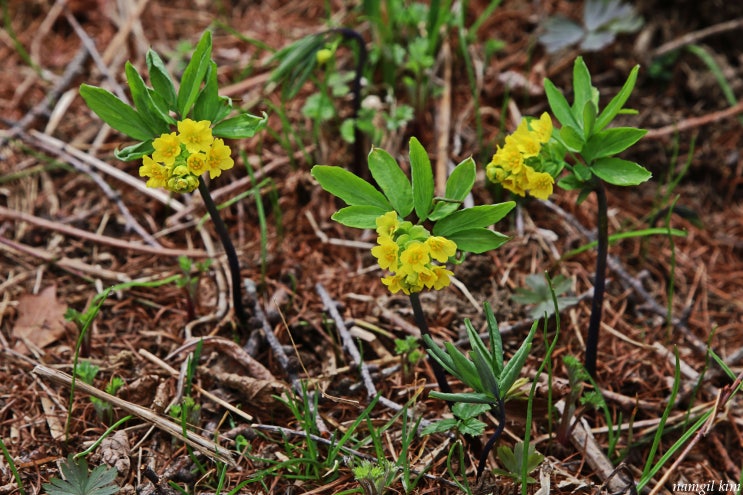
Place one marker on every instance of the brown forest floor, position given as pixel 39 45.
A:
pixel 47 265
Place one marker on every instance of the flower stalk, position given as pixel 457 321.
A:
pixel 599 285
pixel 229 249
pixel 420 321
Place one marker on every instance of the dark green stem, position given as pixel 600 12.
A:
pixel 420 320
pixel 599 285
pixel 229 249
pixel 501 411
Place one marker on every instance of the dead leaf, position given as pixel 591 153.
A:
pixel 40 319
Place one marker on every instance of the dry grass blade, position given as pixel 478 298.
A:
pixel 205 446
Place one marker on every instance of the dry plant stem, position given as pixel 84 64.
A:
pixel 229 249
pixel 420 320
pixel 599 286
pixel 208 447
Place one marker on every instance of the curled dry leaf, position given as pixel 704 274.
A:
pixel 252 391
pixel 231 349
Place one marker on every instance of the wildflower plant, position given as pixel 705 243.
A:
pixel 415 252
pixel 585 147
pixel 180 133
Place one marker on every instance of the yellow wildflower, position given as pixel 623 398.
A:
pixel 394 283
pixel 441 248
pixel 197 136
pixel 218 158
pixel 539 184
pixel 542 128
pixel 386 253
pixel 387 224
pixel 509 158
pixel 167 148
pixel 524 140
pixel 157 174
pixel 414 258
pixel 197 164
pixel 441 275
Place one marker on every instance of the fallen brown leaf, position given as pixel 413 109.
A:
pixel 40 319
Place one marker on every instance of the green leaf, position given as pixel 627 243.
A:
pixel 589 118
pixel 471 426
pixel 441 426
pixel 439 355
pixel 392 180
pixel 160 79
pixel 471 218
pixel 611 141
pixel 241 126
pixel 559 105
pixel 572 138
pixel 422 179
pixel 470 397
pixel 194 73
pixel 463 410
pixel 488 380
pixel 478 240
pixel 620 172
pixel 512 369
pixel 458 186
pixel 78 482
pixel 570 182
pixel 359 216
pixel 208 102
pixel 465 369
pixel 135 151
pixel 582 88
pixel 496 343
pixel 616 103
pixel 146 107
pixel 115 112
pixel 351 188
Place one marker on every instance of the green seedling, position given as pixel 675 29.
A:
pixel 512 461
pixel 374 477
pixel 464 421
pixel 540 297
pixel 189 281
pixel 87 372
pixel 485 371
pixel 410 353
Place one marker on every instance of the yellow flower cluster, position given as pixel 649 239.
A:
pixel 409 252
pixel 510 165
pixel 181 158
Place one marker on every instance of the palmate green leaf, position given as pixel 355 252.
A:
pixel 115 112
pixel 422 179
pixel 472 218
pixel 79 482
pixel 617 103
pixel 611 141
pixel 392 180
pixel 160 79
pixel 458 186
pixel 157 121
pixel 620 172
pixel 351 188
pixel 241 126
pixel 359 217
pixel 135 151
pixel 478 240
pixel 194 74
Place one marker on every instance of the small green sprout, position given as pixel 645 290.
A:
pixel 374 477
pixel 512 461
